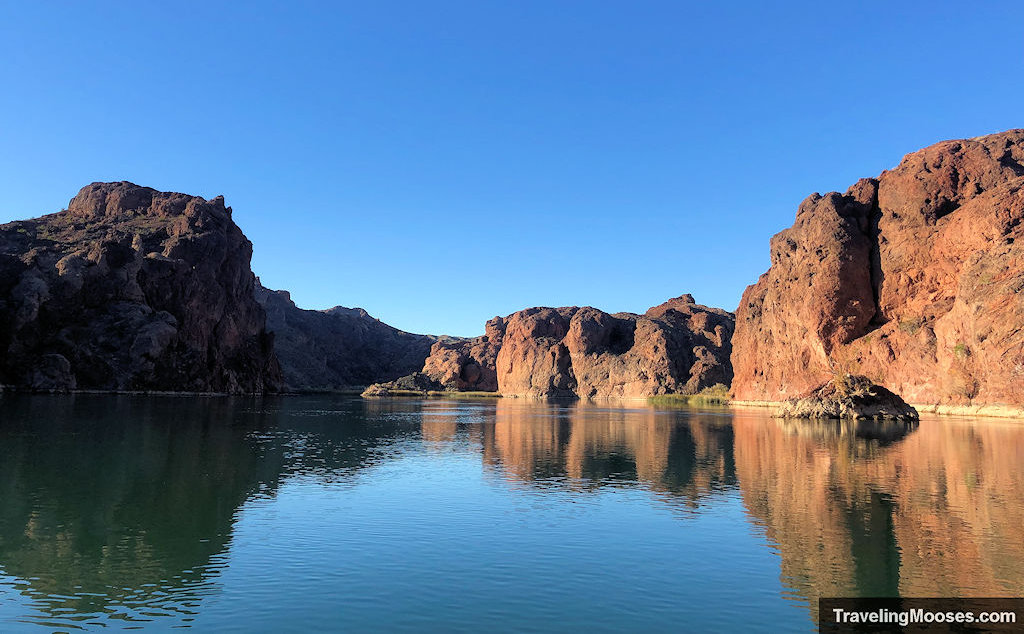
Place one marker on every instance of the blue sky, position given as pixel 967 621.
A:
pixel 439 163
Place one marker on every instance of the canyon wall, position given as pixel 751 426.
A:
pixel 913 279
pixel 132 289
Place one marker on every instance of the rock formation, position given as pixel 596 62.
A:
pixel 467 364
pixel 416 383
pixel 849 397
pixel 132 289
pixel 913 279
pixel 677 347
pixel 337 348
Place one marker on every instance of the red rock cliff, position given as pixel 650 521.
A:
pixel 677 347
pixel 914 279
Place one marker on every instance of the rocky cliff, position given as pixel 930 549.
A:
pixel 913 279
pixel 132 289
pixel 677 347
pixel 338 348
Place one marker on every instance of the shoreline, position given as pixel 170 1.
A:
pixel 991 411
pixel 997 411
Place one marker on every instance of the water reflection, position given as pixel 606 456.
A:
pixel 938 513
pixel 583 446
pixel 109 519
pixel 118 507
pixel 125 508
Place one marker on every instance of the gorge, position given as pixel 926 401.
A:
pixel 912 279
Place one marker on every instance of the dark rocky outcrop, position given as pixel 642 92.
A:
pixel 416 383
pixel 338 348
pixel 914 279
pixel 132 289
pixel 849 397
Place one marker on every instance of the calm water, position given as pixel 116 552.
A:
pixel 333 513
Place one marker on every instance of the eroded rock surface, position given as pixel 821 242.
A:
pixel 467 364
pixel 132 289
pixel 913 279
pixel 677 347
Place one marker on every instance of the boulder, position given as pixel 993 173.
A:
pixel 849 397
pixel 412 384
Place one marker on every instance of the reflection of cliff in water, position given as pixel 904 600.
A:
pixel 121 504
pixel 581 446
pixel 129 501
pixel 937 513
pixel 103 495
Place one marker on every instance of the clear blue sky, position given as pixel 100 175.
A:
pixel 438 163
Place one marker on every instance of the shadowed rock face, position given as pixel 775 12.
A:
pixel 338 348
pixel 913 279
pixel 678 347
pixel 132 289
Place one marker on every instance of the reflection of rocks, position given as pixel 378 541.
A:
pixel 132 496
pixel 934 514
pixel 122 503
pixel 592 445
pixel 849 397
pixel 884 431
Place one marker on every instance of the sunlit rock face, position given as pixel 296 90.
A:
pixel 913 279
pixel 132 289
pixel 677 347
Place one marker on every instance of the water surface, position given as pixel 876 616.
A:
pixel 297 513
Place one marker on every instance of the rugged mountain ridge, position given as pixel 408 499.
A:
pixel 337 348
pixel 913 279
pixel 130 288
